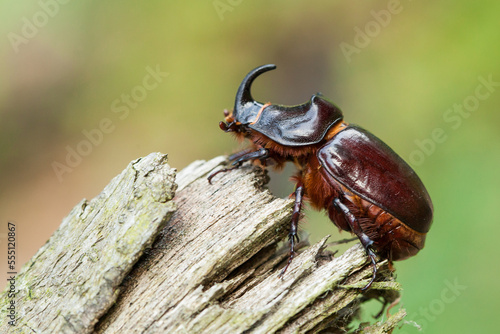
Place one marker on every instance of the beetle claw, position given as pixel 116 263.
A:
pixel 210 177
pixel 373 259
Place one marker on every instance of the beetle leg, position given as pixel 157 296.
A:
pixel 239 154
pixel 363 238
pixel 292 235
pixel 259 154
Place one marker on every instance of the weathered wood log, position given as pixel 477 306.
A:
pixel 75 277
pixel 128 261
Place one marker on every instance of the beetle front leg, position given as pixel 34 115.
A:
pixel 237 155
pixel 261 153
pixel 363 238
pixel 292 235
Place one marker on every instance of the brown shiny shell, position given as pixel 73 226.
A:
pixel 300 125
pixel 369 168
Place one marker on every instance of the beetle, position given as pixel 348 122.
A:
pixel 364 186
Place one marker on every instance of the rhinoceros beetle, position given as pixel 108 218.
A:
pixel 363 185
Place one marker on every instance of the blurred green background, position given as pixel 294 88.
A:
pixel 424 76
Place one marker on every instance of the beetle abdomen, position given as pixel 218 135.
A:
pixel 392 238
pixel 372 170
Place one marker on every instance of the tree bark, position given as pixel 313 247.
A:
pixel 136 259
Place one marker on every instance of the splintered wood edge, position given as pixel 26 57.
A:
pixel 73 279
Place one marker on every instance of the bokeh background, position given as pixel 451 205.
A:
pixel 424 76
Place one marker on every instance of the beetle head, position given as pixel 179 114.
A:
pixel 298 125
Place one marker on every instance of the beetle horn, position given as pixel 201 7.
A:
pixel 245 106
